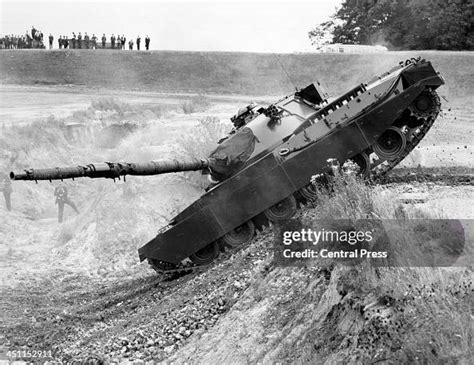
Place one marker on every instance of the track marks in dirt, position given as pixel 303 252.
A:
pixel 146 316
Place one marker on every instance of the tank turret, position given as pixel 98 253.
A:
pixel 265 165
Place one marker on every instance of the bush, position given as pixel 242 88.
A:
pixel 407 314
pixel 195 104
pixel 346 197
pixel 110 104
pixel 111 135
pixel 201 143
pixel 204 138
pixel 25 139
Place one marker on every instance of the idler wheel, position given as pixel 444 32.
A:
pixel 391 144
pixel 206 254
pixel 363 161
pixel 240 235
pixel 309 192
pixel 284 209
pixel 425 104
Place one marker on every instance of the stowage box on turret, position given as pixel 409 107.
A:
pixel 265 164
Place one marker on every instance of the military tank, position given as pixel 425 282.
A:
pixel 263 167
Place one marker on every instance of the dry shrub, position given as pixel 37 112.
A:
pixel 112 110
pixel 21 143
pixel 145 144
pixel 204 137
pixel 110 136
pixel 345 197
pixel 419 314
pixel 195 104
pixel 201 143
pixel 110 104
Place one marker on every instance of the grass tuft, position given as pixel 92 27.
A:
pixel 201 143
pixel 195 104
pixel 400 314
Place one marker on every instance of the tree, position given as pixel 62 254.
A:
pixel 321 34
pixel 400 24
pixel 443 24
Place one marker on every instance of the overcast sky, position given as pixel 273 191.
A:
pixel 253 26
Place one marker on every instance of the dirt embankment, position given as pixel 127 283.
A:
pixel 243 309
pixel 219 72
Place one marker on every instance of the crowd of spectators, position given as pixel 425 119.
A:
pixel 34 39
pixel 28 40
pixel 85 41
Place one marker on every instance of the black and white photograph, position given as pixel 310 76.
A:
pixel 236 182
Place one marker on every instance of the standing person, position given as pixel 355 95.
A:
pixel 86 40
pixel 60 42
pixel 6 188
pixel 94 41
pixel 123 40
pixel 51 39
pixel 65 42
pixel 147 42
pixel 79 40
pixel 112 41
pixel 73 40
pixel 138 43
pixel 130 45
pixel 62 198
pixel 104 40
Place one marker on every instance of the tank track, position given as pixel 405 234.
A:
pixel 175 271
pixel 162 267
pixel 377 175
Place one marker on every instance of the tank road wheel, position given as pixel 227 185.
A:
pixel 309 193
pixel 240 236
pixel 284 209
pixel 206 254
pixel 425 104
pixel 363 161
pixel 391 144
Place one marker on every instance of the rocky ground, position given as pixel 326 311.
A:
pixel 238 310
pixel 134 317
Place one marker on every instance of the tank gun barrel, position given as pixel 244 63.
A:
pixel 111 170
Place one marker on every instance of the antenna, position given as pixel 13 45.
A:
pixel 286 73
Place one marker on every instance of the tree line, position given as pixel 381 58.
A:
pixel 400 24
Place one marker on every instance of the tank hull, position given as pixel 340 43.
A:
pixel 342 129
